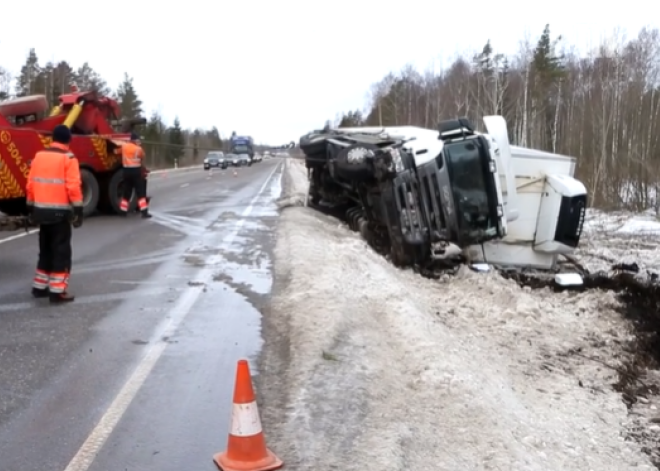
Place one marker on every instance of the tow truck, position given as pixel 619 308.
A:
pixel 97 138
pixel 429 198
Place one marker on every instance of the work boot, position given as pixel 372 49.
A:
pixel 57 298
pixel 40 292
pixel 145 214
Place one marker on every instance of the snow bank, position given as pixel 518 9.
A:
pixel 620 237
pixel 367 367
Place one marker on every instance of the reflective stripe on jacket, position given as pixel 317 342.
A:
pixel 54 184
pixel 131 155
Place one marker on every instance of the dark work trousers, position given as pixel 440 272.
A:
pixel 55 251
pixel 133 180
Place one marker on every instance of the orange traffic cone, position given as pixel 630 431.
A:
pixel 246 447
pixel 235 172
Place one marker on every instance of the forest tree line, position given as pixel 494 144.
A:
pixel 164 143
pixel 602 107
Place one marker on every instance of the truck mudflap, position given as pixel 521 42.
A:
pixel 15 223
pixel 414 228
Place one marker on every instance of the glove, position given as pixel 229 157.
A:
pixel 30 215
pixel 77 217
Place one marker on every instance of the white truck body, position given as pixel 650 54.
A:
pixel 539 181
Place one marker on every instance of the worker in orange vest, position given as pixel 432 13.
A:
pixel 132 156
pixel 55 203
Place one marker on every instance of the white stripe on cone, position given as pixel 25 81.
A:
pixel 245 420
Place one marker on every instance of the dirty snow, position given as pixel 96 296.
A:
pixel 620 237
pixel 623 237
pixel 379 368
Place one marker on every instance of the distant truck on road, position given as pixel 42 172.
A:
pixel 242 145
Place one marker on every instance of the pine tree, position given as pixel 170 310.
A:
pixel 351 119
pixel 176 139
pixel 30 81
pixel 56 79
pixel 63 78
pixel 213 136
pixel 547 73
pixel 195 142
pixel 154 134
pixel 5 82
pixel 129 103
pixel 87 79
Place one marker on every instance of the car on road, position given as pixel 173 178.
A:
pixel 232 159
pixel 257 158
pixel 215 159
pixel 244 159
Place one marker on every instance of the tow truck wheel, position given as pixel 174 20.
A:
pixel 116 190
pixel 91 192
pixel 13 207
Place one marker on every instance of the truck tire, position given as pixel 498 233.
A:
pixel 115 191
pixel 13 207
pixel 91 192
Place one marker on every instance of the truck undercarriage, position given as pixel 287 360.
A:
pixel 436 199
pixel 406 210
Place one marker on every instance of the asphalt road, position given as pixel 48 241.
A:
pixel 138 372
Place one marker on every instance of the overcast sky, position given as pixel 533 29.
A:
pixel 275 69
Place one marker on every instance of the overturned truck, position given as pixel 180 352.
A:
pixel 432 198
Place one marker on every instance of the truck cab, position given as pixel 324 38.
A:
pixel 240 145
pixel 459 182
pixel 452 180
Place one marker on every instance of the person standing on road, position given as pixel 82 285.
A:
pixel 55 203
pixel 132 156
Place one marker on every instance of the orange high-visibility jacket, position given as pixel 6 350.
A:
pixel 54 184
pixel 131 155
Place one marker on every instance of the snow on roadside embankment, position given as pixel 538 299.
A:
pixel 367 367
pixel 620 237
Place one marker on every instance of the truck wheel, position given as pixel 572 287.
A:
pixel 91 192
pixel 116 190
pixel 13 207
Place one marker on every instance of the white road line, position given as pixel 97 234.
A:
pixel 97 438
pixel 34 231
pixel 18 236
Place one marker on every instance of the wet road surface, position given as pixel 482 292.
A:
pixel 137 373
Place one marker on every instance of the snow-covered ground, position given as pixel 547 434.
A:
pixel 620 237
pixel 368 367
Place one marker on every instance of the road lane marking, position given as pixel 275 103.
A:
pixel 179 171
pixel 18 236
pixel 111 417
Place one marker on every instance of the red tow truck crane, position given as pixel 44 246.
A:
pixel 25 128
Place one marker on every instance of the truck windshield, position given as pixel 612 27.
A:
pixel 240 149
pixel 467 163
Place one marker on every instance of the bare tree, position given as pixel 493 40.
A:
pixel 603 107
